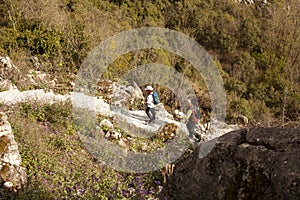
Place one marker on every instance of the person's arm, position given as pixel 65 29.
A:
pixel 187 116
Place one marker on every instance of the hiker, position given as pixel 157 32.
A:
pixel 150 111
pixel 192 116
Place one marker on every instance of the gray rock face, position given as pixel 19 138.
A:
pixel 124 96
pixel 12 175
pixel 262 163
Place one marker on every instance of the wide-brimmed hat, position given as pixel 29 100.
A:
pixel 149 88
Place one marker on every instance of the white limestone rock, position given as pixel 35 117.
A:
pixel 11 173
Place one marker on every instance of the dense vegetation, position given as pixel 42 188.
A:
pixel 58 165
pixel 256 48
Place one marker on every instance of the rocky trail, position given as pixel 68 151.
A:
pixel 114 101
pixel 114 106
pixel 123 116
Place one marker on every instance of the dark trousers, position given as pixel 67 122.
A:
pixel 150 113
pixel 191 126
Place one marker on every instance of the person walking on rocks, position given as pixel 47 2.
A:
pixel 150 106
pixel 192 116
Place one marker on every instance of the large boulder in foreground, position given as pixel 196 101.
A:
pixel 12 175
pixel 263 163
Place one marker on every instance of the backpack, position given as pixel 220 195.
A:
pixel 155 98
pixel 197 112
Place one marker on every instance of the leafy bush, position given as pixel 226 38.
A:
pixel 257 46
pixel 57 163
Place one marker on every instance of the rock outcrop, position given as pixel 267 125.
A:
pixel 14 96
pixel 250 2
pixel 215 128
pixel 262 163
pixel 6 62
pixel 12 175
